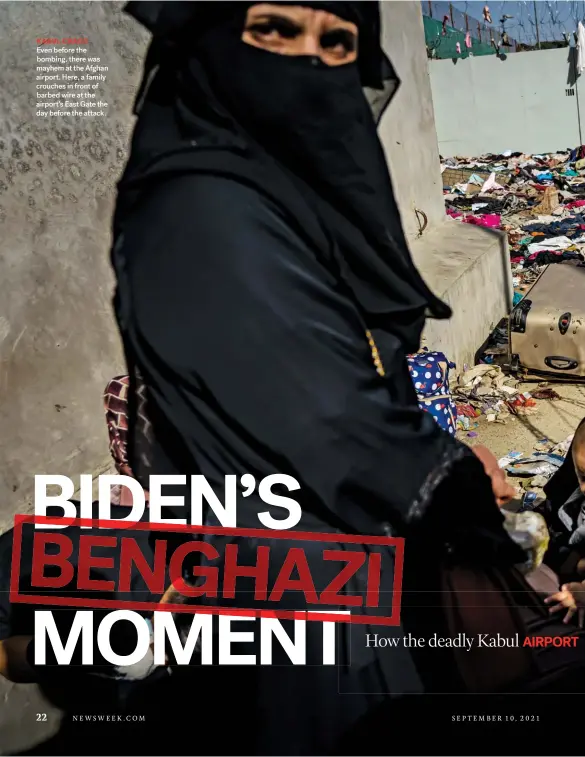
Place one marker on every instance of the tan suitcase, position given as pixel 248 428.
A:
pixel 547 327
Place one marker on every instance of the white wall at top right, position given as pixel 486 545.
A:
pixel 526 102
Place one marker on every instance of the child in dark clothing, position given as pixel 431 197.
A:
pixel 566 513
pixel 568 544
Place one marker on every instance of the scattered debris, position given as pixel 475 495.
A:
pixel 484 390
pixel 546 394
pixel 539 464
pixel 538 200
pixel 536 469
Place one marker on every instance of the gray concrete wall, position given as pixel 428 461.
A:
pixel 408 129
pixel 58 342
pixel 469 267
pixel 485 104
pixel 456 260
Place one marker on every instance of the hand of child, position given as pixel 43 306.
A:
pixel 571 597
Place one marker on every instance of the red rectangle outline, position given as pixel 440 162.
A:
pixel 115 604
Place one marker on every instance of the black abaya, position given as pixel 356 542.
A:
pixel 256 361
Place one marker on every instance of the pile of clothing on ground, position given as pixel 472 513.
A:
pixel 539 200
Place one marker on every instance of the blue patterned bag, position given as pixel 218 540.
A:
pixel 429 372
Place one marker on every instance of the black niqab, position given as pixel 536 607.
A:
pixel 299 131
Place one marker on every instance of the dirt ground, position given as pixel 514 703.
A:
pixel 554 420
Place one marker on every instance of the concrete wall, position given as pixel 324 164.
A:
pixel 408 129
pixel 485 104
pixel 456 260
pixel 58 342
pixel 469 268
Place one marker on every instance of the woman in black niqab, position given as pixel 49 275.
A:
pixel 257 242
pixel 237 103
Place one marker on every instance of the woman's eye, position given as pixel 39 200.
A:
pixel 339 41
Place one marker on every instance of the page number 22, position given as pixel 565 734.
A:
pixel 41 717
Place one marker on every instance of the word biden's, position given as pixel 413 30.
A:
pixel 201 494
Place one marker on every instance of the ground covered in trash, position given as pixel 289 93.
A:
pixel 553 423
pixel 539 201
